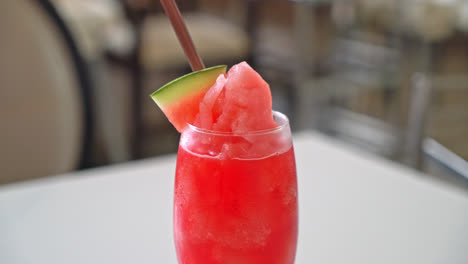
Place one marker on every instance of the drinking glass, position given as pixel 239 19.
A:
pixel 235 199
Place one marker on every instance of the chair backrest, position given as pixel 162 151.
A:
pixel 43 111
pixel 426 90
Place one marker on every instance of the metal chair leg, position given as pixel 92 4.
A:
pixel 418 111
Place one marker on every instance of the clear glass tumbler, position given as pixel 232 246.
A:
pixel 235 197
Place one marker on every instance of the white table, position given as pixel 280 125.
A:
pixel 354 208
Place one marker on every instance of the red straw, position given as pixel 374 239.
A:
pixel 181 31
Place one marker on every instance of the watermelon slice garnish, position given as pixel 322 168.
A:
pixel 180 98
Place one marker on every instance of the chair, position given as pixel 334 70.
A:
pixel 339 69
pixel 91 22
pixel 352 66
pixel 45 112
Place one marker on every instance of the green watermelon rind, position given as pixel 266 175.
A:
pixel 187 85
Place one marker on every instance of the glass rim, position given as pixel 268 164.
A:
pixel 281 126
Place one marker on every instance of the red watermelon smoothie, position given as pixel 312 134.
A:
pixel 235 189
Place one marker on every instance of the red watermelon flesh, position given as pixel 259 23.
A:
pixel 239 102
pixel 207 103
pixel 184 109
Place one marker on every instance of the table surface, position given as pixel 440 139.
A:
pixel 354 208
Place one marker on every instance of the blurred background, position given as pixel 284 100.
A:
pixel 387 76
